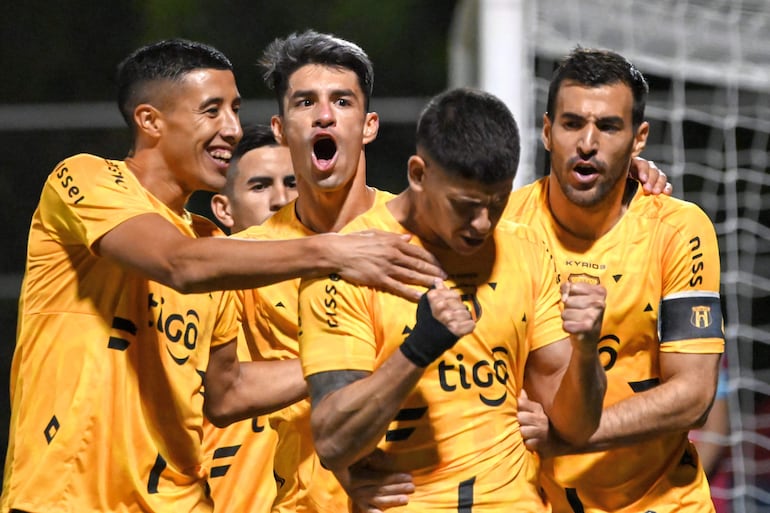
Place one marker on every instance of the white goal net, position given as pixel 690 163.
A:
pixel 708 64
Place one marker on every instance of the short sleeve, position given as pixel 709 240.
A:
pixel 336 330
pixel 690 312
pixel 87 196
pixel 548 325
pixel 227 323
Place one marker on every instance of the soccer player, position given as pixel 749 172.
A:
pixel 659 261
pixel 260 180
pixel 323 85
pixel 119 314
pixel 438 396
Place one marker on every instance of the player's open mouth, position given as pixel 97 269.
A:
pixel 324 152
pixel 585 175
pixel 585 170
pixel 324 149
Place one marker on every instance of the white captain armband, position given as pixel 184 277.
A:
pixel 690 315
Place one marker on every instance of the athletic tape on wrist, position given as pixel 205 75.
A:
pixel 429 338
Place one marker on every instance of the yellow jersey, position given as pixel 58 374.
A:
pixel 457 432
pixel 288 460
pixel 660 266
pixel 248 444
pixel 107 372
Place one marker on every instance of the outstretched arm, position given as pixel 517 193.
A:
pixel 375 258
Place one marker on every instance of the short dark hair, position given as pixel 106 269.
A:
pixel 286 55
pixel 470 133
pixel 167 60
pixel 254 136
pixel 594 68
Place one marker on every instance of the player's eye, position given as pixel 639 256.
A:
pixel 609 127
pixel 572 124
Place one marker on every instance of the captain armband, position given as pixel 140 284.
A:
pixel 690 315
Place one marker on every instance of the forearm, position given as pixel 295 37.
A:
pixel 255 388
pixel 349 422
pixel 187 264
pixel 190 264
pixel 229 264
pixel 577 405
pixel 668 408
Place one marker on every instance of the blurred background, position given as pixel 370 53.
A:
pixel 707 61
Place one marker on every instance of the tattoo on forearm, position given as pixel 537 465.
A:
pixel 324 383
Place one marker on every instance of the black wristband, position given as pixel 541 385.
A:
pixel 429 338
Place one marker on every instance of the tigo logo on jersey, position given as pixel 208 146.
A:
pixel 481 374
pixel 176 327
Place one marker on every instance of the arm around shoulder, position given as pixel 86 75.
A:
pixel 154 247
pixel 151 245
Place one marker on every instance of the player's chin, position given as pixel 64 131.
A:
pixel 213 181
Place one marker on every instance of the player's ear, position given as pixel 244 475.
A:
pixel 371 127
pixel 416 172
pixel 220 207
pixel 545 135
pixel 148 120
pixel 276 123
pixel 640 138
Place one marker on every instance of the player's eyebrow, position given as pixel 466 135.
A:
pixel 335 93
pixel 258 179
pixel 572 116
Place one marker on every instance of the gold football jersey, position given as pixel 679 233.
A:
pixel 660 265
pixel 457 432
pixel 287 458
pixel 106 378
